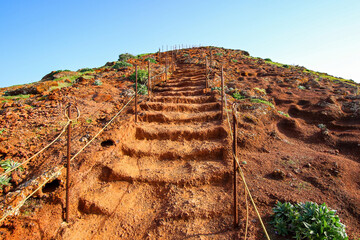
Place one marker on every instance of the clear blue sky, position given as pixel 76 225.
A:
pixel 40 36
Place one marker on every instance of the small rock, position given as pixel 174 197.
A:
pixel 308 165
pixel 278 174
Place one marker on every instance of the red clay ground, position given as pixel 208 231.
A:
pixel 169 176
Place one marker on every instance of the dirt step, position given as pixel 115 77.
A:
pixel 170 150
pixel 199 228
pixel 109 198
pixel 204 131
pixel 199 92
pixel 175 89
pixel 177 117
pixel 176 107
pixel 184 99
pixel 185 83
pixel 183 173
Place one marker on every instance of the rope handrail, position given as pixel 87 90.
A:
pixel 210 69
pixel 62 167
pixel 244 181
pixel 36 154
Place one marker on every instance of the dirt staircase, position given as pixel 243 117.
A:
pixel 172 181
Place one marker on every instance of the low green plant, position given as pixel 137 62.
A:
pixel 151 60
pixel 141 77
pixel 268 59
pixel 285 66
pixel 216 89
pixel 89 120
pixel 284 114
pixel 255 100
pixel 4 181
pixel 125 56
pixel 121 64
pixel 2 130
pixel 9 164
pixel 219 54
pixel 301 87
pixel 20 96
pixel 185 55
pixel 97 83
pixel 142 89
pixel 238 96
pixel 307 221
pixel 260 90
pixel 234 60
pixel 86 70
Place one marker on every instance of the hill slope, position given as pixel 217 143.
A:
pixel 169 176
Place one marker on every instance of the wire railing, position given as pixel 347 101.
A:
pixel 210 72
pixel 13 210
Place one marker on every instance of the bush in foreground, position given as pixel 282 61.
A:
pixel 307 221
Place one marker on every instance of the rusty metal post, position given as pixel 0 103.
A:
pixel 149 84
pixel 222 93
pixel 159 56
pixel 68 166
pixel 206 73
pixel 136 93
pixel 236 216
pixel 166 69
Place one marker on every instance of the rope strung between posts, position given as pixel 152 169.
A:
pixel 244 181
pixel 246 186
pixel 62 167
pixel 47 146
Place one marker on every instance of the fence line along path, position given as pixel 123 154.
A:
pixel 173 179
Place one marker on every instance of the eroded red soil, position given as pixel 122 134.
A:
pixel 170 175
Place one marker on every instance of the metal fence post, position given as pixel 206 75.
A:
pixel 149 84
pixel 136 93
pixel 166 69
pixel 236 216
pixel 206 72
pixel 222 93
pixel 68 165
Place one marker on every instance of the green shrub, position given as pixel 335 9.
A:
pixel 97 83
pixel 125 56
pixel 142 89
pixel 4 181
pixel 268 59
pixel 234 60
pixel 260 90
pixel 219 54
pixel 255 100
pixel 9 164
pixel 216 89
pixel 301 87
pixel 151 60
pixel 141 78
pixel 238 96
pixel 307 221
pixel 284 114
pixel 2 130
pixel 121 64
pixel 285 66
pixel 86 70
